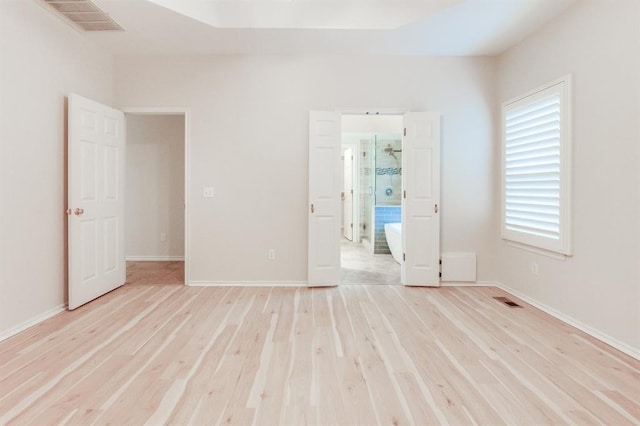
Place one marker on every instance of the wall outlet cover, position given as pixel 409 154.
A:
pixel 208 192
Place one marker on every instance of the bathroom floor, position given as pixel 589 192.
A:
pixel 360 267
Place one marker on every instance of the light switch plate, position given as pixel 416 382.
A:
pixel 207 192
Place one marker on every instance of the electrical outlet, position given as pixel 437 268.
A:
pixel 163 237
pixel 535 270
pixel 207 192
pixel 271 254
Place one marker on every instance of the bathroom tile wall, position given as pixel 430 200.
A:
pixel 384 214
pixel 388 170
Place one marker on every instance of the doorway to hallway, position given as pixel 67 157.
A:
pixel 155 198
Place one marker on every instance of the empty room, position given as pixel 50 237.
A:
pixel 320 212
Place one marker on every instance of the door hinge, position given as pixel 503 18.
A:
pixel 404 194
pixel 404 256
pixel 342 196
pixel 405 131
pixel 440 268
pixel 351 226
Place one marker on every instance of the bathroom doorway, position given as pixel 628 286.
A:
pixel 372 182
pixel 419 231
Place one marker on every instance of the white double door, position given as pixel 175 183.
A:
pixel 96 161
pixel 420 202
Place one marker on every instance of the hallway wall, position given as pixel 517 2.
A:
pixel 155 187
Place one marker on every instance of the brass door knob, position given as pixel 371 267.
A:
pixel 78 212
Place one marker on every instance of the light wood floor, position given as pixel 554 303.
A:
pixel 160 273
pixel 347 355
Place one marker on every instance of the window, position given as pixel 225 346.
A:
pixel 536 156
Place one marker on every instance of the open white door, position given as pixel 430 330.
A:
pixel 324 198
pixel 96 149
pixel 348 194
pixel 421 199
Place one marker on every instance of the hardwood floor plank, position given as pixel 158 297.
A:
pixel 622 404
pixel 203 389
pixel 272 398
pixel 388 406
pixel 147 354
pixel 299 407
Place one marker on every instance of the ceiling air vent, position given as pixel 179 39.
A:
pixel 85 15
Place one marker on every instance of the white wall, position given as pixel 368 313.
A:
pixel 599 286
pixel 155 187
pixel 43 60
pixel 371 123
pixel 249 129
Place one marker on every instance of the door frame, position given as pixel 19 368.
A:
pixel 364 111
pixel 355 185
pixel 186 112
pixel 378 111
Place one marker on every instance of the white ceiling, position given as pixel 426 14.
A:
pixel 411 27
pixel 307 14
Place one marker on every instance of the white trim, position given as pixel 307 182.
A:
pixel 248 283
pixel 489 283
pixel 603 337
pixel 536 250
pixel 155 258
pixel 155 110
pixel 564 88
pixel 465 284
pixel 469 284
pixel 186 112
pixel 372 111
pixel 564 79
pixel 31 322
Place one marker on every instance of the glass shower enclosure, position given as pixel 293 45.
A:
pixel 380 187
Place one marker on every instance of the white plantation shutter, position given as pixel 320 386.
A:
pixel 535 173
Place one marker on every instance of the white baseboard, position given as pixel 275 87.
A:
pixel 467 284
pixel 248 283
pixel 155 258
pixel 623 347
pixel 31 322
pixel 611 341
